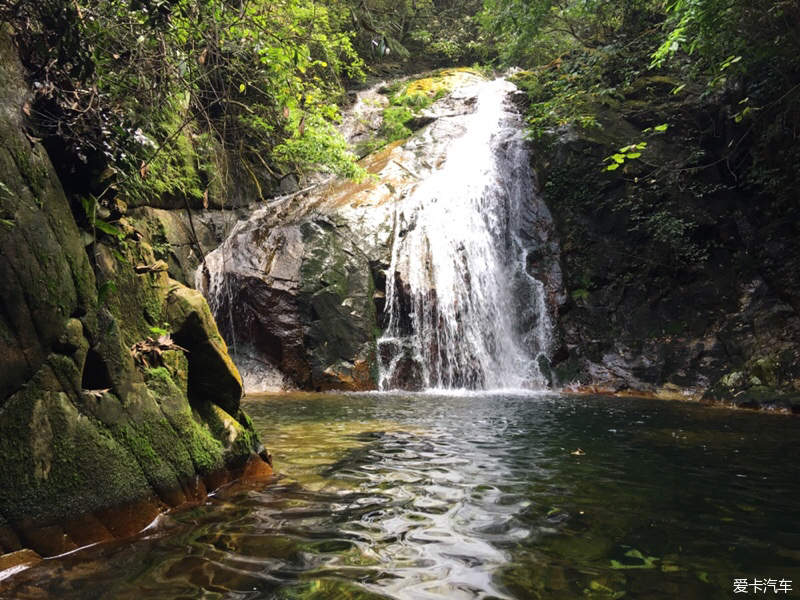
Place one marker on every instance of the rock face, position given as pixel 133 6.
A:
pixel 182 237
pixel 655 305
pixel 96 439
pixel 299 288
pixel 294 289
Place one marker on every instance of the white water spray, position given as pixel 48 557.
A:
pixel 463 312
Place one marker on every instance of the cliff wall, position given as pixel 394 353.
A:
pixel 105 418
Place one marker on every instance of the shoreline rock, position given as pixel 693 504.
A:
pixel 96 436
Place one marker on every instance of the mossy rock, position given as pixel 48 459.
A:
pixel 211 372
pixel 51 456
pixel 441 82
pixel 86 436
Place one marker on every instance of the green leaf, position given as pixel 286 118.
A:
pixel 108 229
pixel 633 155
pixel 678 89
pixel 661 128
pixel 620 158
pixel 612 167
pixel 242 88
pixel 88 207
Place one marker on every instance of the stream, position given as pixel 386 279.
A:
pixel 471 495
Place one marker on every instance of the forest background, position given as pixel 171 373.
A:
pixel 180 101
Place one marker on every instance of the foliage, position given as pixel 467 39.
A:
pixel 529 33
pixel 716 82
pixel 393 126
pixel 431 32
pixel 569 89
pixel 147 87
pixel 750 51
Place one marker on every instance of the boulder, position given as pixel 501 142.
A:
pixel 211 372
pixel 302 300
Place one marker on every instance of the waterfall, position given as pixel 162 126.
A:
pixel 448 250
pixel 462 309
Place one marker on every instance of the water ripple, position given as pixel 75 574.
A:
pixel 471 497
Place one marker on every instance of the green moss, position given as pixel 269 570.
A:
pixel 173 174
pixel 138 443
pixel 438 83
pixel 245 420
pixel 394 122
pixel 137 302
pixel 51 458
pixel 33 170
pixel 407 100
pixel 204 447
pixel 159 374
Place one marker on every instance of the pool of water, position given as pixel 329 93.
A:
pixel 473 496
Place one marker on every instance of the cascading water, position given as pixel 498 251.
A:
pixel 450 229
pixel 463 311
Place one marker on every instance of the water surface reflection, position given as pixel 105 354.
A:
pixel 477 496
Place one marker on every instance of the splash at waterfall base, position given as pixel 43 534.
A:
pixel 418 277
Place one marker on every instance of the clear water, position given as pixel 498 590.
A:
pixel 472 496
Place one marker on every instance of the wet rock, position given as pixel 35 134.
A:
pixel 183 238
pixel 93 445
pixel 298 285
pixel 635 320
pixel 288 184
pixel 303 300
pixel 407 375
pixel 19 560
pixel 211 372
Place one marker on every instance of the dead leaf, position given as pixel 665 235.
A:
pixel 107 173
pixel 26 108
pixel 285 112
pixel 578 452
pixel 302 127
pixel 147 352
pixel 205 198
pixel 157 267
pixel 144 169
